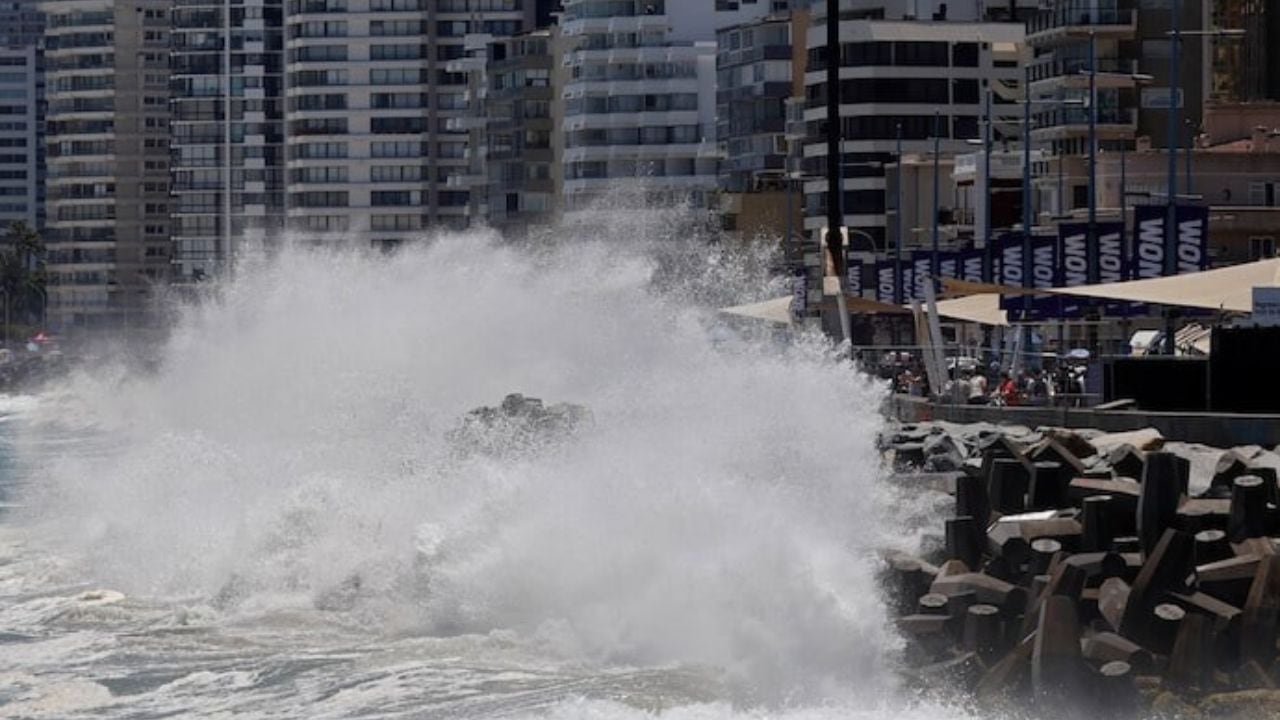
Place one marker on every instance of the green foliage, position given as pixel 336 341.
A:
pixel 22 276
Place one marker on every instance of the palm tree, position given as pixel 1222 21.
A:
pixel 22 276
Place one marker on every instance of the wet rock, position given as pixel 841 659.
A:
pixel 519 425
pixel 1146 440
pixel 1242 705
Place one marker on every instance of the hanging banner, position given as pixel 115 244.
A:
pixel 1191 247
pixel 922 270
pixel 1113 265
pixel 1044 261
pixel 884 281
pixel 949 265
pixel 906 279
pixel 1043 265
pixel 1148 242
pixel 1073 271
pixel 1193 238
pixel 1009 256
pixel 973 266
pixel 799 296
pixel 853 277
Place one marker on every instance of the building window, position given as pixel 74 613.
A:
pixel 1262 247
pixel 964 55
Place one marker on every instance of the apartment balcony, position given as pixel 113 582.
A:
pixel 463 181
pixel 465 123
pixel 1065 123
pixel 1075 21
pixel 613 25
pixel 650 118
pixel 629 86
pixel 669 182
pixel 465 65
pixel 1073 73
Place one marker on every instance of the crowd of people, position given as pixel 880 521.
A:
pixel 978 384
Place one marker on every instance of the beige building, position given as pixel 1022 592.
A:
pixel 107 230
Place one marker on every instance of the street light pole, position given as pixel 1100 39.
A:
pixel 1175 43
pixel 1026 184
pixel 937 142
pixel 835 217
pixel 988 267
pixel 1091 236
pixel 1191 143
pixel 897 246
pixel 1171 210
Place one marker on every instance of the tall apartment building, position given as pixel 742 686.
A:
pixel 519 130
pixel 107 230
pixel 1244 69
pixel 756 68
pixel 227 130
pixel 919 80
pixel 21 23
pixel 639 96
pixel 1131 49
pixel 372 88
pixel 21 154
pixel 21 114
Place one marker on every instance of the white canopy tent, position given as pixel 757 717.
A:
pixel 1228 288
pixel 983 309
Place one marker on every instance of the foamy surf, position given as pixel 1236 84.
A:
pixel 274 520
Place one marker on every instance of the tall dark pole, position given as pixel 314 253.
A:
pixel 897 246
pixel 835 218
pixel 1171 212
pixel 1191 143
pixel 988 267
pixel 1026 185
pixel 1091 239
pixel 937 150
pixel 1175 133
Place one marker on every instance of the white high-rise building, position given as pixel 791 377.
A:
pixel 227 131
pixel 639 95
pixel 20 182
pixel 918 81
pixel 376 99
pixel 107 143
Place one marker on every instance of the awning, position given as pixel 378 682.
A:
pixel 1228 288
pixel 983 309
pixel 777 310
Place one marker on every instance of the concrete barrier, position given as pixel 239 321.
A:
pixel 1216 429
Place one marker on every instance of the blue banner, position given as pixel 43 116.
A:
pixel 1043 266
pixel 884 281
pixel 853 277
pixel 1193 238
pixel 1008 253
pixel 1073 271
pixel 1113 265
pixel 973 266
pixel 922 270
pixel 948 265
pixel 1191 242
pixel 1113 262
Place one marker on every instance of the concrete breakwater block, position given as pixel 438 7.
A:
pixel 1100 583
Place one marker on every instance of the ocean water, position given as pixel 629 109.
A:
pixel 270 519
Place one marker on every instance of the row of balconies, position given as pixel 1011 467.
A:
pixel 1077 19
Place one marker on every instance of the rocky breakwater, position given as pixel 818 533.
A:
pixel 1086 574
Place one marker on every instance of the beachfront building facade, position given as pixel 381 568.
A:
pixel 639 97
pixel 376 93
pixel 923 82
pixel 107 147
pixel 227 131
